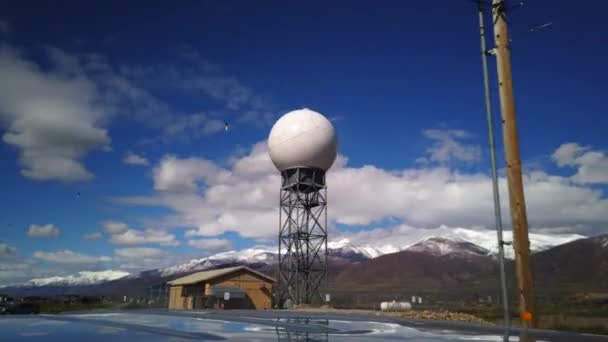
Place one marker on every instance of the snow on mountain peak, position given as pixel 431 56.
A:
pixel 267 255
pixel 385 240
pixel 441 246
pixel 344 246
pixel 487 239
pixel 260 254
pixel 456 241
pixel 249 254
pixel 344 242
pixel 81 278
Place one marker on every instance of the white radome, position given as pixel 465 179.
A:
pixel 302 138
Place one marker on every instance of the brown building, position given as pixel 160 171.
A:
pixel 231 288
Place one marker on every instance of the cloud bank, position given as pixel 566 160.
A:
pixel 243 198
pixel 43 231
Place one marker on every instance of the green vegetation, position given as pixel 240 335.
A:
pixel 67 303
pixel 134 306
pixel 58 307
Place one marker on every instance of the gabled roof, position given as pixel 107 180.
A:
pixel 208 275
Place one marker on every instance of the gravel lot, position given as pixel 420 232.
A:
pixel 423 314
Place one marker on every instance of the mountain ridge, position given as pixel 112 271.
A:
pixel 443 246
pixel 343 254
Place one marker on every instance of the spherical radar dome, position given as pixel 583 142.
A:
pixel 302 138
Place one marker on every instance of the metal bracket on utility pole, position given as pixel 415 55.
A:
pixel 490 52
pixel 508 243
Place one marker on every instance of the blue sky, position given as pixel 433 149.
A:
pixel 87 86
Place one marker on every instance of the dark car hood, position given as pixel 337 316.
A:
pixel 162 325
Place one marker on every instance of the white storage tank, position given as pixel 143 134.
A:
pixel 395 306
pixel 384 306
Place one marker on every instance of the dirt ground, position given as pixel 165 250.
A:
pixel 422 314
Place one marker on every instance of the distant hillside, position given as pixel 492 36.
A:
pixel 139 285
pixel 446 268
pixel 580 264
pixel 416 269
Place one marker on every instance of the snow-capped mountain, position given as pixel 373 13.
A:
pixel 81 278
pixel 258 255
pixel 578 266
pixel 345 247
pixel 342 249
pixel 458 242
pixel 263 255
pixel 487 240
pixel 439 246
pixel 404 238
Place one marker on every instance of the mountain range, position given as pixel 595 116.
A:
pixel 433 263
pixel 444 269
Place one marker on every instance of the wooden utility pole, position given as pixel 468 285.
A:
pixel 521 243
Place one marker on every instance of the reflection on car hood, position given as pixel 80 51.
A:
pixel 162 325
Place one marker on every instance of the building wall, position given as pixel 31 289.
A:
pixel 259 292
pixel 175 298
pixel 180 298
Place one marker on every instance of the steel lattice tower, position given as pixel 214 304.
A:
pixel 302 235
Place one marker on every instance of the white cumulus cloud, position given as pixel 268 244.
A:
pixel 182 175
pixel 67 256
pixel 55 107
pixel 114 227
pixel 211 245
pixel 137 237
pixel 140 252
pixel 592 166
pixel 134 159
pixel 121 234
pixel 14 271
pixel 7 251
pixel 448 145
pixel 244 198
pixel 43 231
pixel 52 114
